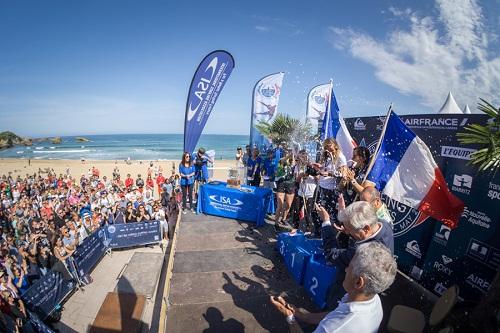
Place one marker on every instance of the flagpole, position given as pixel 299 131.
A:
pixel 373 157
pixel 328 110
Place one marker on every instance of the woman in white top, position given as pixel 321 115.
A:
pixel 159 215
pixel 330 173
pixel 307 187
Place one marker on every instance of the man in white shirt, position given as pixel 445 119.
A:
pixel 371 271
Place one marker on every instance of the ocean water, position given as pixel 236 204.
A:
pixel 122 146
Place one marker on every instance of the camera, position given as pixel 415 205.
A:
pixel 310 171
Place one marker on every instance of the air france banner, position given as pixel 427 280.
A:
pixel 432 252
pixel 266 95
pixel 133 234
pixel 208 81
pixel 317 103
pixel 89 252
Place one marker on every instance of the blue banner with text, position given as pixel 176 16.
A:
pixel 133 234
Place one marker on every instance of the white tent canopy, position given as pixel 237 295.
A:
pixel 450 106
pixel 466 109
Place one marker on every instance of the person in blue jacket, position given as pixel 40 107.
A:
pixel 254 164
pixel 187 172
pixel 268 170
pixel 200 161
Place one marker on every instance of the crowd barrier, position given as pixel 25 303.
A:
pixel 45 295
pixel 304 260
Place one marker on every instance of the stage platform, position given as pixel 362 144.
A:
pixel 223 273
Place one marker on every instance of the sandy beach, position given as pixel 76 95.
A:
pixel 76 167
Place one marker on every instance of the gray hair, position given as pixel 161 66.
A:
pixel 374 262
pixel 358 215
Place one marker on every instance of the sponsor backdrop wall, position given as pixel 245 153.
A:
pixel 427 250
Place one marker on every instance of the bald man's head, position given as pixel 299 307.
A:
pixel 371 195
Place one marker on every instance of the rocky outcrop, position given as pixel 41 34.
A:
pixel 56 140
pixel 9 139
pixel 82 139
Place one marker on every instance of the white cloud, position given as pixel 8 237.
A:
pixel 277 25
pixel 428 61
pixel 262 28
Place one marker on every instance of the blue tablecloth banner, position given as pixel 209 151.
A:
pixel 89 252
pixel 248 203
pixel 133 234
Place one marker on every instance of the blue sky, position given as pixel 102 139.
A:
pixel 103 67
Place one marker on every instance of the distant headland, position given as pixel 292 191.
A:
pixel 9 139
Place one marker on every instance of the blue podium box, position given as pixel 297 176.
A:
pixel 286 241
pixel 318 278
pixel 296 250
pixel 296 260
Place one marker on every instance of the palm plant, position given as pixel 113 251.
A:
pixel 487 137
pixel 285 130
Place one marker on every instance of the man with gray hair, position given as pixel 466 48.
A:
pixel 361 223
pixel 371 271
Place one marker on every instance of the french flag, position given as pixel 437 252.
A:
pixel 404 170
pixel 334 127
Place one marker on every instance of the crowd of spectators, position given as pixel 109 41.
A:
pixel 45 216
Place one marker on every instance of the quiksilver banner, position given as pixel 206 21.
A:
pixel 208 81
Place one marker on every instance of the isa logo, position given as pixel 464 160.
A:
pixel 268 90
pixel 225 200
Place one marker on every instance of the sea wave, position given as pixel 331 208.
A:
pixel 39 147
pixel 64 151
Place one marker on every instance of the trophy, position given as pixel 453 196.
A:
pixel 233 180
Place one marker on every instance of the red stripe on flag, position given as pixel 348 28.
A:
pixel 440 203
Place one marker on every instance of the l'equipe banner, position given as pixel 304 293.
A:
pixel 266 94
pixel 89 252
pixel 133 234
pixel 208 81
pixel 431 252
pixel 46 293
